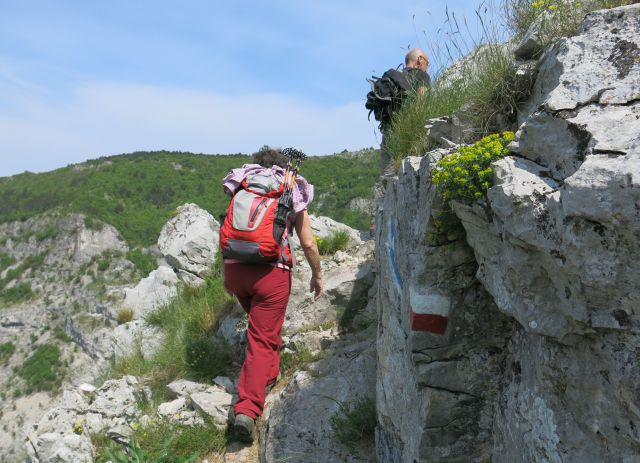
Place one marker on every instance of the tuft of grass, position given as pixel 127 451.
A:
pixel 207 357
pixel 103 264
pixel 145 263
pixel 337 241
pixel 163 442
pixel 298 360
pixel 42 370
pixel 355 422
pixel 124 315
pixel 483 90
pixel 190 348
pixel 18 293
pixel 6 261
pixel 6 351
pixel 33 262
pixel 556 18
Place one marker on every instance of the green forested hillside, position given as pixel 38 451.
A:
pixel 138 193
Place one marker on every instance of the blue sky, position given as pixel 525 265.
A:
pixel 80 80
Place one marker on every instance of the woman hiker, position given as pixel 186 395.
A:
pixel 263 289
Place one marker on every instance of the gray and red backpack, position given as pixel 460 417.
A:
pixel 256 227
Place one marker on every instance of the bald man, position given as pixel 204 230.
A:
pixel 416 64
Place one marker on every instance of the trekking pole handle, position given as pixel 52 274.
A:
pixel 294 154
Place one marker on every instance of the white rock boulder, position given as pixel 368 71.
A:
pixel 151 292
pixel 189 241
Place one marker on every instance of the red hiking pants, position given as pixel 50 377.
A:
pixel 263 291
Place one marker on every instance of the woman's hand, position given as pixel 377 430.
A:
pixel 315 286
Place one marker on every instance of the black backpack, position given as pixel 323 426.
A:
pixel 386 95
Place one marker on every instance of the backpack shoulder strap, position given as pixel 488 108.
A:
pixel 270 194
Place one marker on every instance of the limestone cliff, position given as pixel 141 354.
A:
pixel 537 299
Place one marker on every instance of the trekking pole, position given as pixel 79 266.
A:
pixel 287 172
pixel 285 203
pixel 295 159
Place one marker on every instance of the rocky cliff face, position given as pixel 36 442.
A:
pixel 83 281
pixel 73 272
pixel 537 300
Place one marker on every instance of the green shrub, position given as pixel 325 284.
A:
pixel 355 422
pixel 467 174
pixel 49 232
pixel 93 224
pixel 207 357
pixel 124 315
pixel 18 293
pixel 337 241
pixel 42 370
pixel 558 18
pixel 145 263
pixel 34 262
pixel 103 264
pixel 6 351
pixel 61 334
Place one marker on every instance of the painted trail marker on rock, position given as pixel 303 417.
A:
pixel 428 311
pixel 391 252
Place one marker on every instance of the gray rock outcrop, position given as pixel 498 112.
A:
pixel 62 433
pixel 195 400
pixel 532 43
pixel 189 243
pixel 346 284
pixel 435 391
pixel 151 292
pixel 128 338
pixel 324 227
pixel 538 359
pixel 559 252
pixel 290 435
pixel 67 448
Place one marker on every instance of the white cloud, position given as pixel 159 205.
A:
pixel 109 118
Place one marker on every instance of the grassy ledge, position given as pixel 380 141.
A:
pixel 190 350
pixel 483 88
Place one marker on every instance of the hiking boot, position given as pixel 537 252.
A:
pixel 244 427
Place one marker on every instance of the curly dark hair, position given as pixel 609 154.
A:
pixel 267 157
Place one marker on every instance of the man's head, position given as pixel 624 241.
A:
pixel 267 157
pixel 416 58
